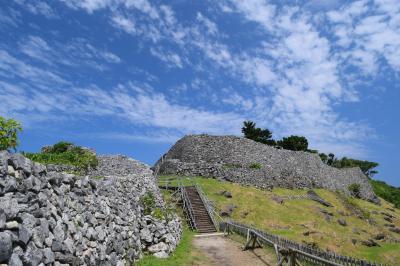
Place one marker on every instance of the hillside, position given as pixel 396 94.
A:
pixel 248 162
pixel 308 221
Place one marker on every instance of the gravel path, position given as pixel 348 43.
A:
pixel 223 251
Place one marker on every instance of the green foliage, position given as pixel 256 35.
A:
pixel 255 166
pixel 60 147
pixel 68 154
pixel 148 202
pixel 264 136
pixel 98 177
pixel 366 167
pixel 387 192
pixel 9 129
pixel 294 143
pixel 158 213
pixel 355 190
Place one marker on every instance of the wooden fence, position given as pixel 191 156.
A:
pixel 289 252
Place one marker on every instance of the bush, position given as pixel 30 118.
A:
pixel 148 202
pixel 255 166
pixel 60 147
pixel 68 154
pixel 9 129
pixel 355 190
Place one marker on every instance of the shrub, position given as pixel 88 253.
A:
pixel 9 129
pixel 355 190
pixel 255 166
pixel 60 147
pixel 148 202
pixel 68 154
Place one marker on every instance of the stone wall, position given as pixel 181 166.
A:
pixel 56 218
pixel 237 160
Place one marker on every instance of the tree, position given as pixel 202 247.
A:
pixel 294 143
pixel 9 129
pixel 264 136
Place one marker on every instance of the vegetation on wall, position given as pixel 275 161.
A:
pixel 65 153
pixel 9 129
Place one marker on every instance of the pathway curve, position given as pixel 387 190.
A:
pixel 223 251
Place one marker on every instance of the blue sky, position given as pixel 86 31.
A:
pixel 133 76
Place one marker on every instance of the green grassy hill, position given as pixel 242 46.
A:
pixel 303 220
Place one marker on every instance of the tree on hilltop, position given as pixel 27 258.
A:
pixel 252 132
pixel 294 143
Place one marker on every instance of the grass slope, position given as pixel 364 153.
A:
pixel 296 217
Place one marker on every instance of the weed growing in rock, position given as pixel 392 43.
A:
pixel 255 166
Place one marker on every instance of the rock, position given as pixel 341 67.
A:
pixel 395 230
pixel 315 197
pixel 19 162
pixel 2 219
pixel 12 225
pixel 342 222
pixel 161 255
pixel 48 256
pixel 158 247
pixel 11 170
pixel 146 235
pixel 15 260
pixel 369 243
pixel 379 236
pixel 24 234
pixel 32 256
pixel 5 246
pixel 227 210
pixel 228 194
pixel 277 199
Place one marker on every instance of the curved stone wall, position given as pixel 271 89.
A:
pixel 248 162
pixel 57 218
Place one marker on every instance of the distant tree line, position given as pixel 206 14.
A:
pixel 300 143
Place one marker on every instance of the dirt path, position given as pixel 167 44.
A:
pixel 223 251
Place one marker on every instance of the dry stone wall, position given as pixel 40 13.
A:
pixel 248 162
pixel 55 218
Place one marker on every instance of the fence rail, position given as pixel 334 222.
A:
pixel 289 251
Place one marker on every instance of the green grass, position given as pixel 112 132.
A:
pixel 255 207
pixel 184 254
pixel 255 166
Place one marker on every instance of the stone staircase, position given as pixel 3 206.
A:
pixel 203 221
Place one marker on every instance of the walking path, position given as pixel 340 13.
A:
pixel 223 251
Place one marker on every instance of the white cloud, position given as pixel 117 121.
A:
pixel 38 7
pixel 172 59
